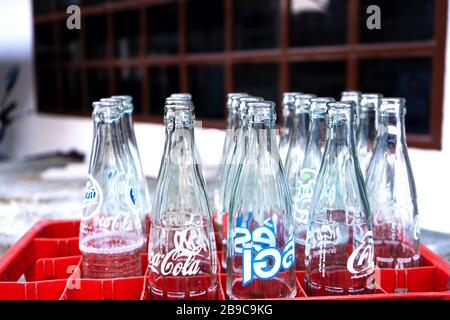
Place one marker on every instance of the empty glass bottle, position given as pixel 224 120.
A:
pixel 288 123
pixel 186 96
pixel 233 122
pixel 367 129
pixel 392 192
pixel 182 252
pixel 305 181
pixel 261 249
pixel 297 147
pixel 111 232
pixel 236 157
pixel 339 244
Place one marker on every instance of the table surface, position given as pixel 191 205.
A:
pixel 25 198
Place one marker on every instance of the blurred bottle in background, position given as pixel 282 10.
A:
pixel 111 232
pixel 261 254
pixel 339 244
pixel 288 123
pixel 297 147
pixel 303 190
pixel 182 251
pixel 392 192
pixel 367 130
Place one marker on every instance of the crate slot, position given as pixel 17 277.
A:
pixel 55 268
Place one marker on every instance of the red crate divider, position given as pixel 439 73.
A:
pixel 49 260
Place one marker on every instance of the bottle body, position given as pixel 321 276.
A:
pixel 111 233
pixel 261 252
pixel 392 193
pixel 339 244
pixel 182 258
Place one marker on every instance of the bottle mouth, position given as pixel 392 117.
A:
pixel 342 111
pixel 124 102
pixel 186 96
pixel 391 106
pixel 125 98
pixel 178 104
pixel 289 99
pixel 243 104
pixel 351 94
pixel 261 112
pixel 303 100
pixel 319 106
pixel 370 101
pixel 231 97
pixel 106 111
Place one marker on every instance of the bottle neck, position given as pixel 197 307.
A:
pixel 367 128
pixel 288 119
pixel 392 129
pixel 180 142
pixel 318 132
pixel 341 135
pixel 128 127
pixel 302 122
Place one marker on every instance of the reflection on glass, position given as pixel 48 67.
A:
pixel 44 44
pixel 205 25
pixel 128 82
pixel 72 89
pixel 126 34
pixel 46 84
pixel 97 84
pixel 324 79
pixel 409 78
pixel 70 42
pixel 163 29
pixel 206 84
pixel 313 23
pixel 257 79
pixel 95 42
pixel 163 81
pixel 255 24
pixel 400 20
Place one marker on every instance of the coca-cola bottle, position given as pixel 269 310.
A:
pixel 297 147
pixel 367 129
pixel 236 157
pixel 339 243
pixel 111 232
pixel 355 97
pixel 288 123
pixel 233 123
pixel 392 192
pixel 182 252
pixel 261 253
pixel 305 181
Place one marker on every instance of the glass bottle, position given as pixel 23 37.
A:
pixel 261 249
pixel 392 192
pixel 303 190
pixel 367 129
pixel 339 244
pixel 297 147
pixel 182 252
pixel 111 232
pixel 236 157
pixel 288 123
pixel 232 124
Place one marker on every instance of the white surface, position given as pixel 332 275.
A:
pixel 42 133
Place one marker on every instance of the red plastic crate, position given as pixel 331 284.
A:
pixel 45 265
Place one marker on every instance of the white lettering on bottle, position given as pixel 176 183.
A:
pixel 362 258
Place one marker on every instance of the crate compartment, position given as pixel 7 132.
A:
pixel 56 268
pixel 42 290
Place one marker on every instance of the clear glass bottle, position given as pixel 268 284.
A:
pixel 182 251
pixel 288 123
pixel 392 192
pixel 297 147
pixel 367 130
pixel 261 253
pixel 305 181
pixel 233 122
pixel 339 244
pixel 236 157
pixel 111 232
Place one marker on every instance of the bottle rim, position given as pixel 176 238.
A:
pixel 289 99
pixel 181 96
pixel 303 100
pixel 125 98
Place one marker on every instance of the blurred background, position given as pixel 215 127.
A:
pixel 50 75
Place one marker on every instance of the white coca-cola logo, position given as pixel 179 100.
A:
pixel 362 258
pixel 184 259
pixel 416 228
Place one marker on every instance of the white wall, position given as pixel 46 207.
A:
pixel 42 133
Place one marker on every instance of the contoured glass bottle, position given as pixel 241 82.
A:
pixel 367 130
pixel 339 244
pixel 236 157
pixel 392 192
pixel 261 253
pixel 287 128
pixel 111 232
pixel 303 190
pixel 297 147
pixel 182 253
